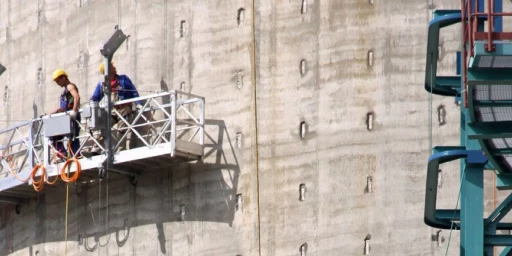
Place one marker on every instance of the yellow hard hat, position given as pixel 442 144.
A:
pixel 102 67
pixel 58 73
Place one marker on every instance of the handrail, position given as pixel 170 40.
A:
pixel 447 18
pixel 163 119
pixel 494 14
pixel 431 189
pixel 441 218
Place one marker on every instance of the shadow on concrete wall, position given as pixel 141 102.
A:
pixel 203 191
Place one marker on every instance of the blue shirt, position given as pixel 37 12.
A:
pixel 127 90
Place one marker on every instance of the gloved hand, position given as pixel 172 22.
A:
pixel 139 107
pixel 72 114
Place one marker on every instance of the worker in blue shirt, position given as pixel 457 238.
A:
pixel 122 88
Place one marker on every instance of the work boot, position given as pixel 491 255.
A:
pixel 95 151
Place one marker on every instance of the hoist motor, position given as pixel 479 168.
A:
pixel 95 116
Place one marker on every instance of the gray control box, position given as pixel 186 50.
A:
pixel 95 116
pixel 57 126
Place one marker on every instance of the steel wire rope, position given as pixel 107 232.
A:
pixel 71 157
pixel 255 99
pixel 456 205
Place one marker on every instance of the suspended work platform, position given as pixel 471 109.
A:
pixel 169 127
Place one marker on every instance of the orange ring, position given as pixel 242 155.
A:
pixel 38 185
pixel 63 174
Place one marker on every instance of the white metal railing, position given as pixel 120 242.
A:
pixel 165 118
pixel 23 148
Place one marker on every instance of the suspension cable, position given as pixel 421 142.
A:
pixel 456 205
pixel 255 99
pixel 66 221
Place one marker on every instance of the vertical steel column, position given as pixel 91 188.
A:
pixel 481 4
pixel 46 151
pixel 201 121
pixel 173 123
pixel 107 91
pixel 472 211
pixel 30 144
pixel 498 20
pixel 108 50
pixel 490 18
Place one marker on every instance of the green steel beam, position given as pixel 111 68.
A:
pixel 441 149
pixel 501 152
pixel 499 213
pixel 450 215
pixel 450 82
pixel 506 252
pixel 505 226
pixel 489 77
pixel 472 211
pixel 492 103
pixel 439 13
pixel 497 240
pixel 503 49
pixel 491 130
pixel 504 182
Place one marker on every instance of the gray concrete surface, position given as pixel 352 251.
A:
pixel 212 55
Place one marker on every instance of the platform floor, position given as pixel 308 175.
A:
pixel 131 162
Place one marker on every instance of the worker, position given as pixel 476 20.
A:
pixel 69 101
pixel 122 88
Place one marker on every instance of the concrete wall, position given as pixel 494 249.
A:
pixel 339 153
pixel 208 57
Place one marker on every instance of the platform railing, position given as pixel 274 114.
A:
pixel 190 118
pixel 23 147
pixel 165 117
pixel 474 13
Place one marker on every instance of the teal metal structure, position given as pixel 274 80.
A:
pixel 482 86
